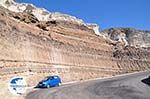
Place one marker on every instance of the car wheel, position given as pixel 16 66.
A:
pixel 48 86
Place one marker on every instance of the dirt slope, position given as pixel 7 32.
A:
pixel 35 49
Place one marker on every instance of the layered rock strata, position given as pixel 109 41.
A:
pixel 35 49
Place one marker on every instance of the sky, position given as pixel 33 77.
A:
pixel 105 13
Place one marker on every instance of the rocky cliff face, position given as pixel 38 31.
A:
pixel 42 14
pixel 76 51
pixel 129 36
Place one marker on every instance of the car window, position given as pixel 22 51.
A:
pixel 45 78
pixel 55 77
pixel 51 78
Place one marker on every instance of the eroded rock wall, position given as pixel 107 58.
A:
pixel 35 49
pixel 129 36
pixel 30 49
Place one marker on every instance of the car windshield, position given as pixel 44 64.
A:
pixel 45 78
pixel 50 77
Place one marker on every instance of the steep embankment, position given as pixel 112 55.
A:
pixel 56 50
pixel 61 45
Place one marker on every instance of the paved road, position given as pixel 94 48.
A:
pixel 122 87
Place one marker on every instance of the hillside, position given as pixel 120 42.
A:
pixel 36 46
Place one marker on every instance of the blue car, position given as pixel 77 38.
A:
pixel 50 81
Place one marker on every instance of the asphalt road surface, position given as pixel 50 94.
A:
pixel 122 87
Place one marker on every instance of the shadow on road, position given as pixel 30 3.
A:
pixel 146 81
pixel 40 87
